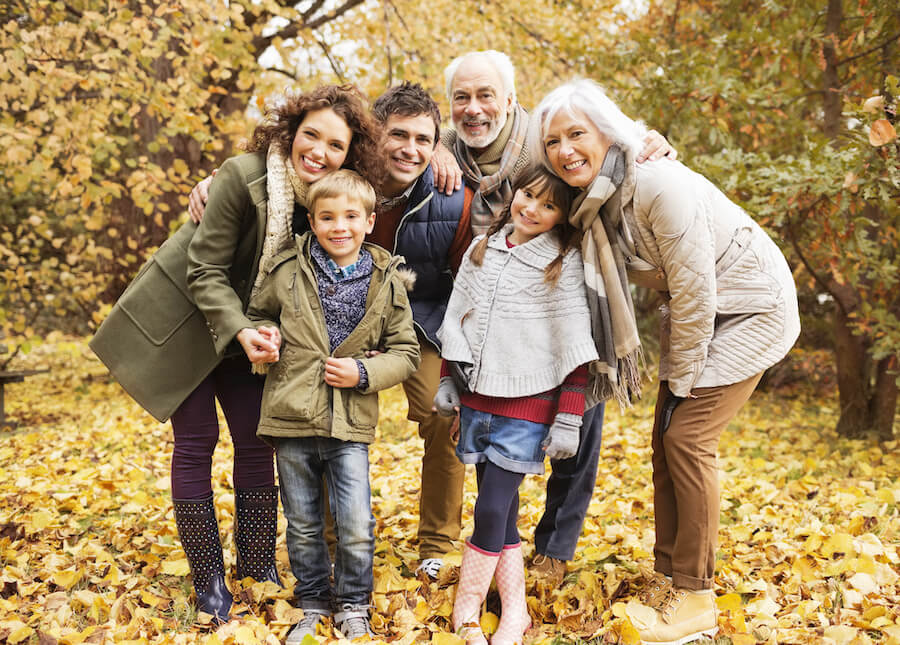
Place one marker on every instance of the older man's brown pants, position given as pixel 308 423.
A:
pixel 443 475
pixel 686 480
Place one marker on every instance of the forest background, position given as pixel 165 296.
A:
pixel 111 110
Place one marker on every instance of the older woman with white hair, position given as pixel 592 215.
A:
pixel 730 312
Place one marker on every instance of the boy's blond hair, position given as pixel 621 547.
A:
pixel 342 182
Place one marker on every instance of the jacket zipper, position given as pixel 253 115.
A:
pixel 294 295
pixel 406 216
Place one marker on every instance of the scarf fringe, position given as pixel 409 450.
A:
pixel 259 368
pixel 625 384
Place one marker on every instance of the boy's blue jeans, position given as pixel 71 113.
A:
pixel 302 462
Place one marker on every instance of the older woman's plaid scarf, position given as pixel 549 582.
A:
pixel 618 371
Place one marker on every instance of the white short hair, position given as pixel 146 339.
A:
pixel 587 97
pixel 498 60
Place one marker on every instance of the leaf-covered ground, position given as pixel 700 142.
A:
pixel 89 552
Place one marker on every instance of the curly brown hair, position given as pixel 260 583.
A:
pixel 539 180
pixel 283 117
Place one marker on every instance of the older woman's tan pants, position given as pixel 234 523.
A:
pixel 686 480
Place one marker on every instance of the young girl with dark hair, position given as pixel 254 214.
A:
pixel 516 340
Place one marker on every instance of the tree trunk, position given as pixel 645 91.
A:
pixel 831 81
pixel 884 399
pixel 853 367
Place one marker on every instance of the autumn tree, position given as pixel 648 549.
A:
pixel 789 108
pixel 109 112
pixel 112 110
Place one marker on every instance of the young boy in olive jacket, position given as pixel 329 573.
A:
pixel 326 302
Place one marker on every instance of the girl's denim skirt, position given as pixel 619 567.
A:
pixel 512 444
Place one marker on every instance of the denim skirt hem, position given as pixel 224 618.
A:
pixel 492 455
pixel 511 444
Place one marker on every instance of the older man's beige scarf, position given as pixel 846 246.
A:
pixel 618 371
pixel 284 188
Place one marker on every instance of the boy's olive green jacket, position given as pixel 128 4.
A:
pixel 168 332
pixel 296 401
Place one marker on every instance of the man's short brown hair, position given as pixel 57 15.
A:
pixel 407 99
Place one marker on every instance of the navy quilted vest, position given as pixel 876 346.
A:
pixel 423 237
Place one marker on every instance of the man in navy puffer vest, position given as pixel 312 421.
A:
pixel 432 231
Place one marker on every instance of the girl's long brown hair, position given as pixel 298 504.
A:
pixel 283 118
pixel 539 181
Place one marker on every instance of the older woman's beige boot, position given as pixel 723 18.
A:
pixel 683 616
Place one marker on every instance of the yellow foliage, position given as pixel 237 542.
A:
pixel 89 543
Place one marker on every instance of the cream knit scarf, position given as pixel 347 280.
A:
pixel 618 371
pixel 284 188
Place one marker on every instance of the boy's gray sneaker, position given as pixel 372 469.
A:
pixel 306 626
pixel 353 621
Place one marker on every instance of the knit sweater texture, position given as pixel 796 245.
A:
pixel 568 398
pixel 521 335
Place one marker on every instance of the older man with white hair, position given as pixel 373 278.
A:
pixel 490 127
pixel 488 143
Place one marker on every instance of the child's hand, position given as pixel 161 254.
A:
pixel 273 334
pixel 341 372
pixel 561 441
pixel 446 401
pixel 259 348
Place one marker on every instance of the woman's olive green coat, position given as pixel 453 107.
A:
pixel 175 320
pixel 296 400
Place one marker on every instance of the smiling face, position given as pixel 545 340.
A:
pixel 340 224
pixel 479 104
pixel 533 212
pixel 320 145
pixel 408 147
pixel 575 148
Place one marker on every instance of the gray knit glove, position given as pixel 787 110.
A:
pixel 447 398
pixel 562 439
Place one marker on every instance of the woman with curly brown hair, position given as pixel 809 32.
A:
pixel 176 357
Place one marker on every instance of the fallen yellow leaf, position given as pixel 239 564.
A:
pixel 20 634
pixel 67 579
pixel 489 621
pixel 179 567
pixel 41 520
pixel 729 602
pixel 444 638
pixel 838 543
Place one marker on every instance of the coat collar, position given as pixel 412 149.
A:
pixel 537 252
pixel 382 260
pixel 423 189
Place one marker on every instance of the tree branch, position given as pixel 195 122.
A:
pixel 398 14
pixel 796 246
pixel 674 21
pixel 260 43
pixel 869 51
pixel 542 41
pixel 387 45
pixel 72 10
pixel 291 76
pixel 335 65
pixel 313 8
